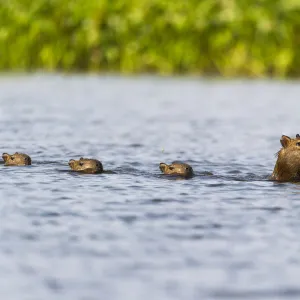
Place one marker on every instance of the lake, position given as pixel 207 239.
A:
pixel 137 234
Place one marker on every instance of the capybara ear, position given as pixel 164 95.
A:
pixel 297 136
pixel 5 156
pixel 71 162
pixel 28 160
pixel 163 167
pixel 81 158
pixel 285 140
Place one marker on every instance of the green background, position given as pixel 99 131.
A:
pixel 203 37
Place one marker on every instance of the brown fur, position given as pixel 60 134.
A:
pixel 86 165
pixel 180 169
pixel 287 167
pixel 17 159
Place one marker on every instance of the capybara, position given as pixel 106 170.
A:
pixel 287 167
pixel 86 165
pixel 177 168
pixel 17 159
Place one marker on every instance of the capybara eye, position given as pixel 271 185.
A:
pixel 12 158
pixel 171 168
pixel 297 144
pixel 81 164
pixel 187 168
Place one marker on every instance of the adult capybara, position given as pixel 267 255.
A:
pixel 287 167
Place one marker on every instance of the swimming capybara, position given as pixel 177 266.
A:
pixel 177 168
pixel 86 165
pixel 17 159
pixel 287 167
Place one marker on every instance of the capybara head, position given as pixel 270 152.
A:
pixel 177 168
pixel 17 159
pixel 287 166
pixel 86 165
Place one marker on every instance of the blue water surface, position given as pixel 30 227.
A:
pixel 136 234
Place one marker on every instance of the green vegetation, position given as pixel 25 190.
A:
pixel 208 37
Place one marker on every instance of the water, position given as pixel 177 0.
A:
pixel 136 234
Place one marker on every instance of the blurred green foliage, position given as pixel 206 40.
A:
pixel 209 37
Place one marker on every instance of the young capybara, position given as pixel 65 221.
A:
pixel 17 159
pixel 86 165
pixel 287 167
pixel 177 168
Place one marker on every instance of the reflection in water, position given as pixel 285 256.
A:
pixel 131 232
